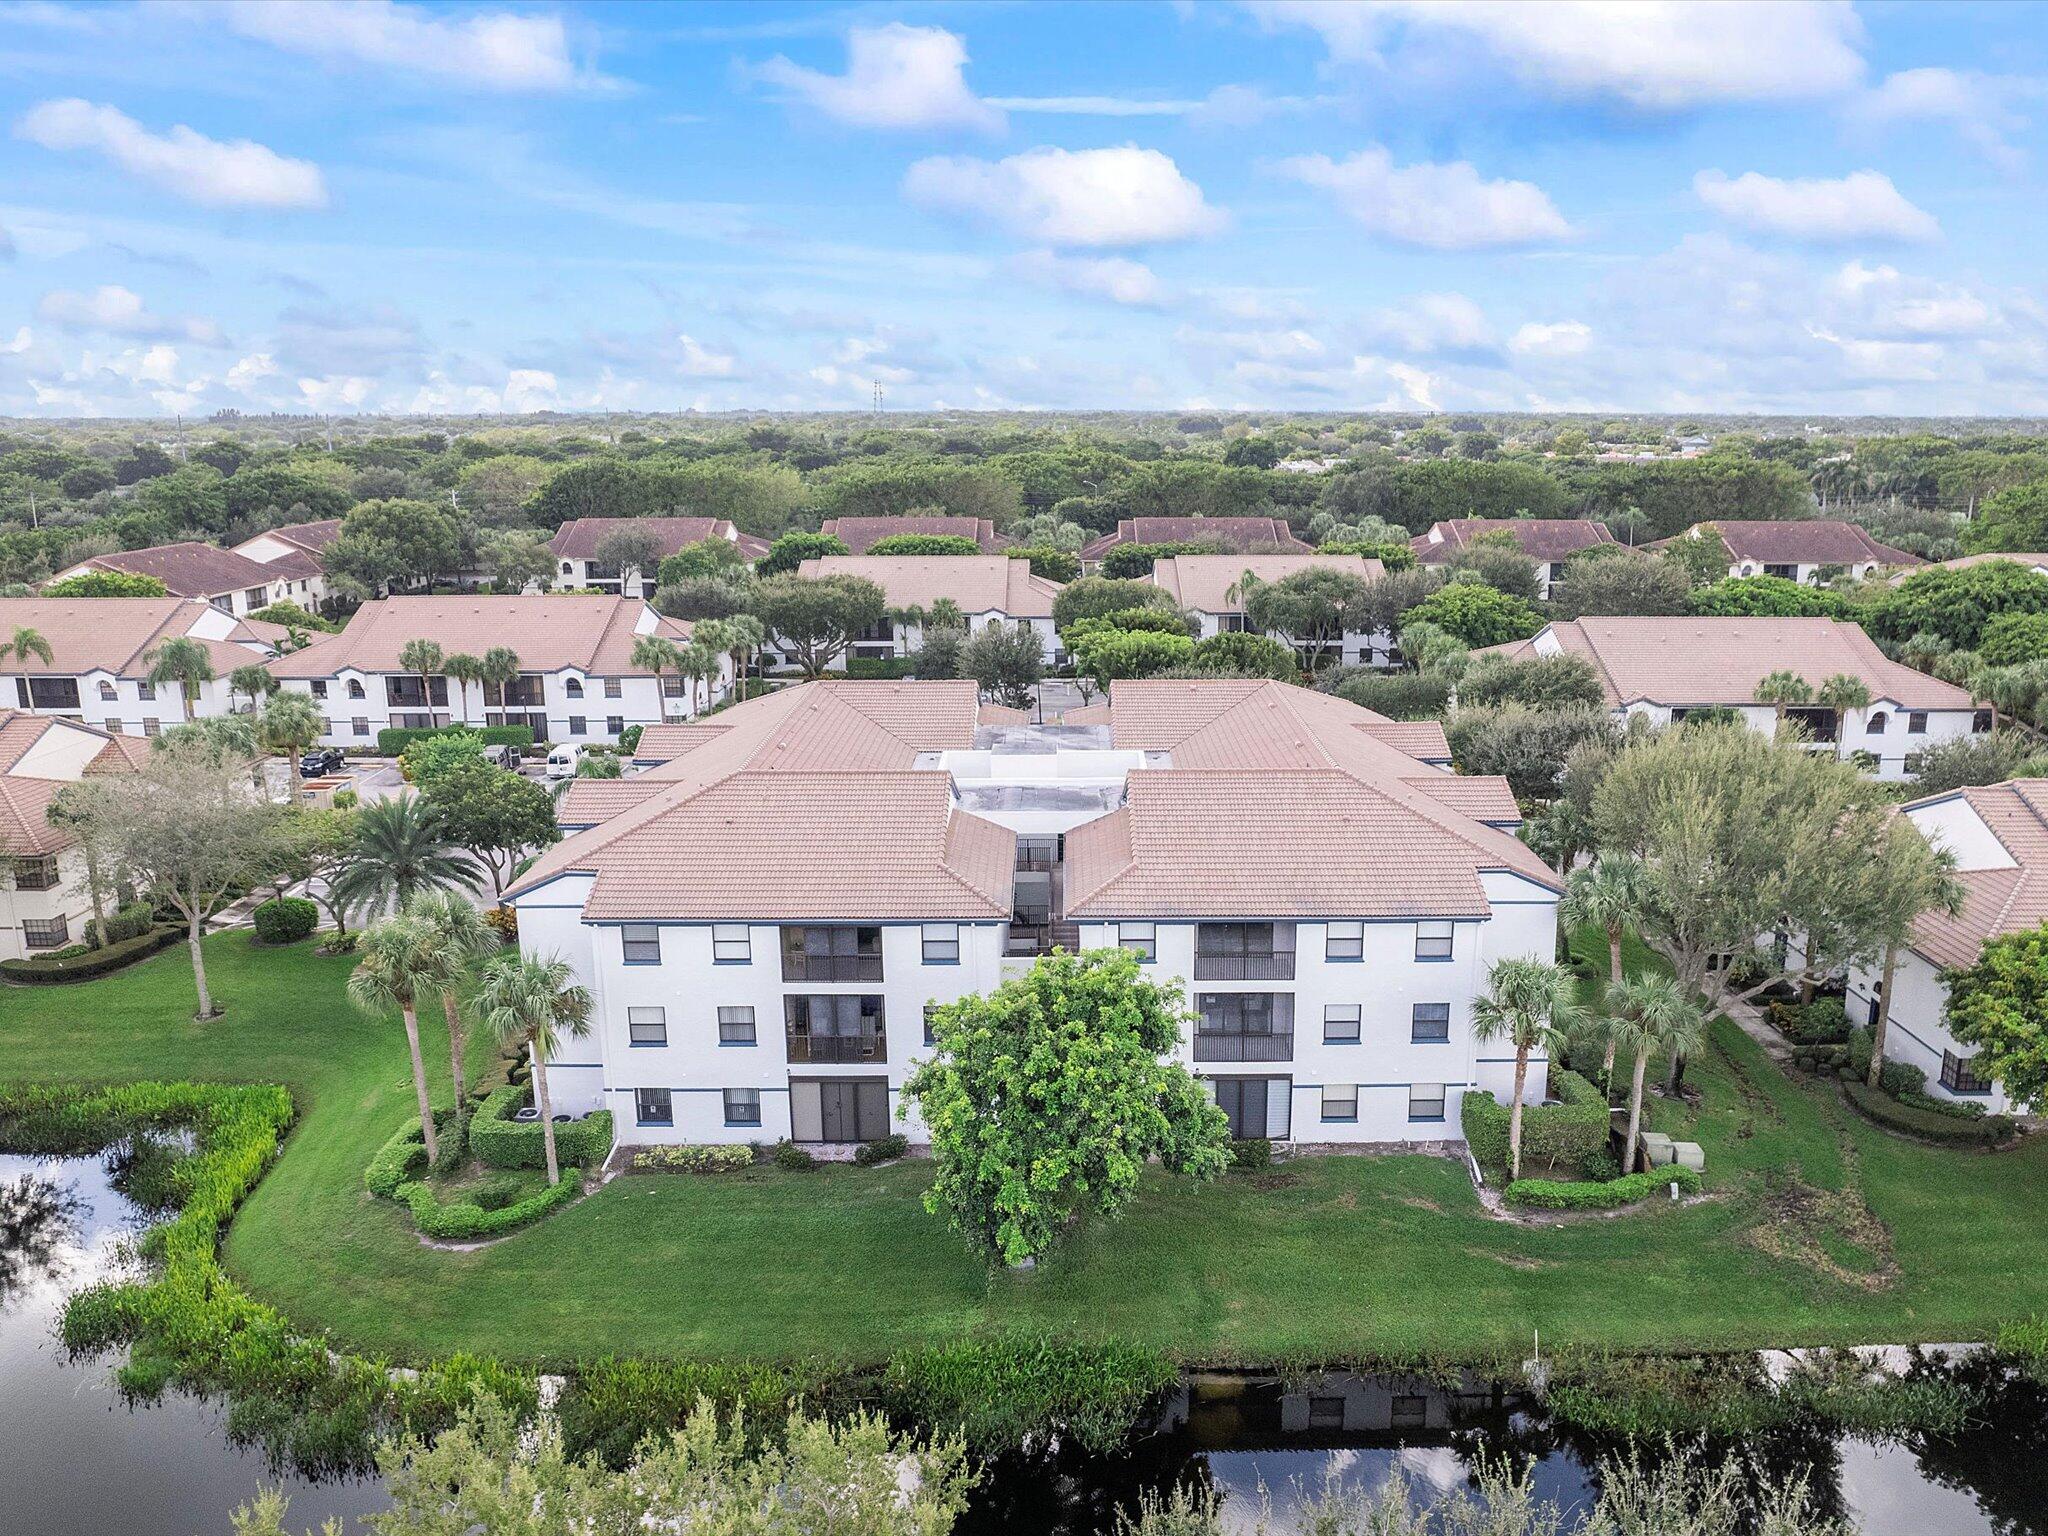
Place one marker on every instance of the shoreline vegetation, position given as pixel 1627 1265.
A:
pixel 1830 1233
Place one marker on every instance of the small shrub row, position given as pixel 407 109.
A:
pixel 1910 1120
pixel 87 964
pixel 1005 1393
pixel 397 1162
pixel 501 1142
pixel 1566 1134
pixel 131 922
pixel 393 739
pixel 1546 1195
pixel 459 1219
pixel 791 1158
pixel 883 1149
pixel 1955 1109
pixel 880 668
pixel 610 1405
pixel 1824 1021
pixel 285 919
pixel 715 1158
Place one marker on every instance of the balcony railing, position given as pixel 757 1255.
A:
pixel 803 967
pixel 1274 967
pixel 1042 938
pixel 1248 1045
pixel 868 1045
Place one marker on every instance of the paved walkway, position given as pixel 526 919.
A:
pixel 1751 1023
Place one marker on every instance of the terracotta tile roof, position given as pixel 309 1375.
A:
pixel 1206 582
pixel 1995 901
pixel 121 754
pixel 2034 561
pixel 978 583
pixel 18 732
pixel 1423 740
pixel 550 631
pixel 659 743
pixel 861 533
pixel 1689 662
pixel 25 830
pixel 190 569
pixel 114 634
pixel 578 539
pixel 589 801
pixel 1240 535
pixel 1802 541
pixel 1483 797
pixel 294 564
pixel 314 536
pixel 1540 538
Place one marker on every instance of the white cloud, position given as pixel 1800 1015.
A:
pixel 1658 55
pixel 238 174
pixel 1559 338
pixel 896 77
pixel 1444 207
pixel 1977 106
pixel 1062 197
pixel 1116 278
pixel 487 50
pixel 699 362
pixel 1863 358
pixel 530 389
pixel 1863 205
pixel 23 340
pixel 120 311
pixel 1434 322
pixel 245 374
pixel 334 390
pixel 1888 303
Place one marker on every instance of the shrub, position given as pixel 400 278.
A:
pixel 397 1162
pixel 1398 695
pixel 460 1219
pixel 393 740
pixel 501 1142
pixel 1560 1135
pixel 716 1158
pixel 504 921
pixel 1911 1120
pixel 1050 564
pixel 285 920
pixel 131 922
pixel 1251 1153
pixel 1899 1078
pixel 1133 562
pixel 924 544
pixel 609 1406
pixel 1543 1195
pixel 791 1158
pixel 1955 1109
pixel 1247 655
pixel 880 668
pixel 1001 1394
pixel 88 963
pixel 884 1149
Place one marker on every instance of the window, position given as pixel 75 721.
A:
pixel 1433 941
pixel 1244 952
pixel 1340 1023
pixel 736 1025
pixel 319 687
pixel 614 688
pixel 614 724
pixel 832 954
pixel 578 726
pixel 1959 1076
pixel 107 694
pixel 1877 722
pixel 647 1026
pixel 1142 939
pixel 152 727
pixel 146 691
pixel 654 1106
pixel 842 1028
pixel 45 932
pixel 568 569
pixel 641 943
pixel 1344 941
pixel 1782 572
pixel 742 1106
pixel 1916 723
pixel 1425 1101
pixel 1980 721
pixel 1244 1026
pixel 731 944
pixel 1340 1101
pixel 1430 1021
pixel 37 874
pixel 360 725
pixel 573 688
pixel 1326 1412
pixel 355 688
pixel 672 687
pixel 929 1037
pixel 941 943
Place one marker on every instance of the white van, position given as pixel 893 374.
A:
pixel 563 761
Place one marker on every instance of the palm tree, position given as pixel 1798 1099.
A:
pixel 1842 693
pixel 291 723
pixel 1651 1014
pixel 697 664
pixel 944 613
pixel 500 666
pixel 422 658
pixel 1779 689
pixel 252 681
pixel 401 853
pixel 1527 1003
pixel 398 960
pixel 715 636
pixel 747 635
pixel 528 1001
pixel 656 654
pixel 1612 894
pixel 182 661
pixel 28 642
pixel 462 669
pixel 459 938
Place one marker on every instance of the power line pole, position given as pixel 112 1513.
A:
pixel 878 397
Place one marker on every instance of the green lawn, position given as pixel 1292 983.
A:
pixel 1827 1230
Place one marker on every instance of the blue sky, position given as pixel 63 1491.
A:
pixel 1800 207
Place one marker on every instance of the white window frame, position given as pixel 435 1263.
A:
pixel 1338 937
pixel 730 1016
pixel 732 944
pixel 1142 939
pixel 937 939
pixel 653 1018
pixel 1343 1016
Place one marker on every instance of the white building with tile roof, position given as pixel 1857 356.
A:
pixel 45 901
pixel 987 589
pixel 1213 588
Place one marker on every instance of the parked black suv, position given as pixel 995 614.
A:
pixel 322 760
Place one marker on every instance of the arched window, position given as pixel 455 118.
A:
pixel 1877 722
pixel 355 688
pixel 573 688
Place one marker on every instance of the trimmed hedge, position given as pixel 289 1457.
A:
pixel 1546 1195
pixel 1909 1120
pixel 712 1157
pixel 463 1218
pixel 500 1142
pixel 285 920
pixel 397 1161
pixel 883 1149
pixel 880 668
pixel 94 962
pixel 393 739
pixel 1558 1135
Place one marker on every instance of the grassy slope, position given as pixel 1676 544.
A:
pixel 1329 1257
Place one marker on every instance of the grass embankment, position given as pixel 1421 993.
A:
pixel 1827 1230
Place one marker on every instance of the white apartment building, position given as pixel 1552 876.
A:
pixel 227 579
pixel 987 589
pixel 1662 669
pixel 1999 835
pixel 295 555
pixel 763 918
pixel 45 902
pixel 1213 588
pixel 102 650
pixel 1549 541
pixel 576 542
pixel 1799 549
pixel 577 681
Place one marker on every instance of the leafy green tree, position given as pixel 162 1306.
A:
pixel 1095 597
pixel 629 549
pixel 495 491
pixel 1627 584
pixel 290 723
pixel 1702 555
pixel 794 548
pixel 2014 639
pixel 706 557
pixel 1766 597
pixel 1238 653
pixel 707 597
pixel 396 963
pixel 107 584
pixel 324 841
pixel 939 647
pixel 816 620
pixel 1988 759
pixel 2015 519
pixel 398 543
pixel 1540 682
pixel 1005 661
pixel 1109 655
pixel 401 851
pixel 1498 561
pixel 2000 1005
pixel 535 1002
pixel 292 616
pixel 924 544
pixel 1652 1015
pixel 1528 747
pixel 1055 565
pixel 1397 695
pixel 516 561
pixel 318 486
pixel 1477 614
pixel 1956 604
pixel 426 758
pixel 1134 562
pixel 1315 608
pixel 183 661
pixel 1527 1004
pixel 81 809
pixel 1611 894
pixel 1046 1098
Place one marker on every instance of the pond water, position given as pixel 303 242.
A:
pixel 77 1460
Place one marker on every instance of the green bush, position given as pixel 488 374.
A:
pixel 1000 1394
pixel 285 920
pixel 1560 1135
pixel 131 922
pixel 880 668
pixel 1397 695
pixel 1544 1195
pixel 461 1219
pixel 884 1149
pixel 1051 564
pixel 1955 1109
pixel 629 740
pixel 1899 1078
pixel 397 1162
pixel 791 1158
pixel 609 1406
pixel 715 1158
pixel 86 964
pixel 1251 1153
pixel 1910 1120
pixel 501 1142
pixel 924 544
pixel 393 740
